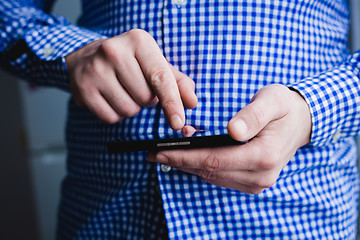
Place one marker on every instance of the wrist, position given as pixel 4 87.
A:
pixel 304 115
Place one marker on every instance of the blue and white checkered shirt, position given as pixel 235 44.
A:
pixel 231 49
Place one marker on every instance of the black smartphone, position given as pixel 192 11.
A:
pixel 172 143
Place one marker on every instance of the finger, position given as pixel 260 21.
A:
pixel 132 79
pixel 250 120
pixel 186 87
pixel 236 186
pixel 118 97
pixel 250 156
pixel 258 179
pixel 188 131
pixel 162 81
pixel 101 108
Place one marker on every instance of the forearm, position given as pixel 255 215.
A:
pixel 34 42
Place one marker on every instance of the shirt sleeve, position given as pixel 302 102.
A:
pixel 34 43
pixel 333 97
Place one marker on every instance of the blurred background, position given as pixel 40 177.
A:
pixel 33 150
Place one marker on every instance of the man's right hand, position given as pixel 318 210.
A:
pixel 115 77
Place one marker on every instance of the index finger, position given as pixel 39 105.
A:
pixel 162 81
pixel 243 157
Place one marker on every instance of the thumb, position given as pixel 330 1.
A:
pixel 249 121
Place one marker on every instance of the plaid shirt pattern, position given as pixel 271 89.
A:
pixel 231 49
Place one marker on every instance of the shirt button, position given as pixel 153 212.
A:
pixel 336 136
pixel 48 51
pixel 165 168
pixel 179 3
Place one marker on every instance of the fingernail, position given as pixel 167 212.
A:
pixel 188 131
pixel 176 122
pixel 162 159
pixel 184 131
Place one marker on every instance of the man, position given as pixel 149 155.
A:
pixel 276 73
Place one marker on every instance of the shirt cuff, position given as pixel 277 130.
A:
pixel 53 42
pixel 41 60
pixel 334 102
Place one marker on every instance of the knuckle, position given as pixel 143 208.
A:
pixel 257 115
pixel 138 36
pixel 265 163
pixel 98 70
pixel 207 175
pixel 112 52
pixel 169 105
pixel 108 46
pixel 112 119
pixel 95 68
pixel 267 184
pixel 273 160
pixel 157 77
pixel 178 161
pixel 211 163
pixel 181 162
pixel 266 159
pixel 147 100
pixel 185 80
pixel 255 190
pixel 264 182
pixel 130 111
